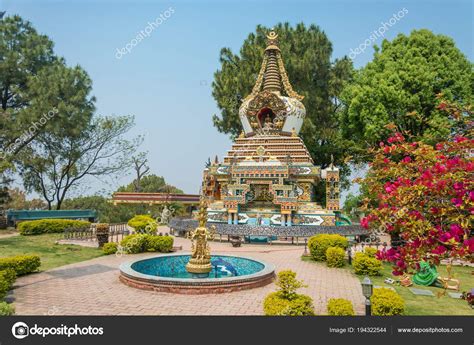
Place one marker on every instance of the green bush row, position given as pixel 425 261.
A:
pixel 318 244
pixel 386 302
pixel 335 257
pixel 340 307
pixel 21 264
pixel 366 265
pixel 43 226
pixel 139 243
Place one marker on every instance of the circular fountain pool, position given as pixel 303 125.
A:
pixel 168 273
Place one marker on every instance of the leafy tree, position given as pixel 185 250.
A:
pixel 23 54
pixel 151 184
pixel 58 162
pixel 425 196
pixel 18 201
pixel 398 90
pixel 306 53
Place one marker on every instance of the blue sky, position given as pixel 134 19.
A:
pixel 165 80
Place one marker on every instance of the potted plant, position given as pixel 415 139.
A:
pixel 102 233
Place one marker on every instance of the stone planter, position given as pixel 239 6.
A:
pixel 102 234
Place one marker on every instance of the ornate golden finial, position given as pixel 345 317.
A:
pixel 272 40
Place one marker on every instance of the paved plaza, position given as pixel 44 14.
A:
pixel 93 288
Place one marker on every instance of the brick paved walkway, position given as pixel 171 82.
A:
pixel 92 287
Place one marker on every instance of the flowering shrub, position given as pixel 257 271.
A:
pixel 425 196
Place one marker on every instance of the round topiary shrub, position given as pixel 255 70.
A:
pixel 386 302
pixel 276 305
pixel 318 244
pixel 6 309
pixel 110 248
pixel 340 307
pixel 134 244
pixel 286 302
pixel 366 265
pixel 335 257
pixel 143 224
pixel 370 251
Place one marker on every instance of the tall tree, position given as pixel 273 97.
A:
pixel 306 53
pixel 23 54
pixel 58 162
pixel 397 90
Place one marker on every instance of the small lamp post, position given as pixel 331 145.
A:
pixel 367 290
pixel 349 252
pixel 305 247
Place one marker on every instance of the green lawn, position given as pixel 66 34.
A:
pixel 426 305
pixel 51 254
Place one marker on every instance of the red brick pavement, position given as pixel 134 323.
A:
pixel 92 287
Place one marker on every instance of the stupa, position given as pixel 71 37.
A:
pixel 268 176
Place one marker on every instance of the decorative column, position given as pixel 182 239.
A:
pixel 288 223
pixel 229 218
pixel 283 220
pixel 332 187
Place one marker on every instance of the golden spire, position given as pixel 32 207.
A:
pixel 272 75
pixel 272 78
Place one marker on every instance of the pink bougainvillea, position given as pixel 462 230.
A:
pixel 425 195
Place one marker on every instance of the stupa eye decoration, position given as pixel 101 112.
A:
pixel 269 177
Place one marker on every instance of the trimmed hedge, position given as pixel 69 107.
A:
pixel 143 223
pixel 335 257
pixel 7 278
pixel 340 307
pixel 139 243
pixel 366 265
pixel 275 305
pixel 110 248
pixel 318 244
pixel 386 302
pixel 162 244
pixel 6 309
pixel 46 226
pixel 21 264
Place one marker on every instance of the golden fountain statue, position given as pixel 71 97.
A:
pixel 200 262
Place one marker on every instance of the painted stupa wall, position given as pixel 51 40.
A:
pixel 268 176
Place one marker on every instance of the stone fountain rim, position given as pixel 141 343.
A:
pixel 127 270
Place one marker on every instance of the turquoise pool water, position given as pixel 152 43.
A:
pixel 175 266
